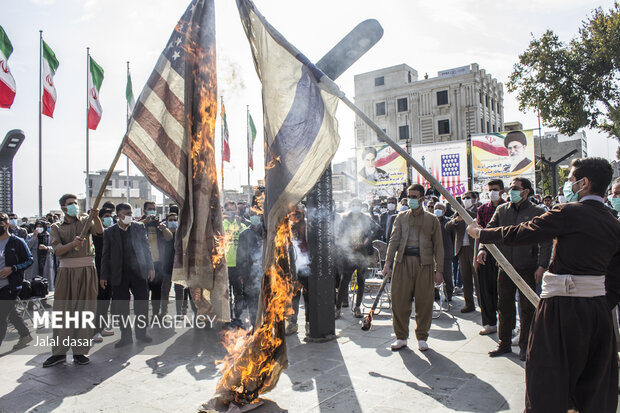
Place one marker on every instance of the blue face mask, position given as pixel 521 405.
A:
pixel 615 202
pixel 568 191
pixel 438 213
pixel 73 210
pixel 255 220
pixel 515 196
pixel 13 222
pixel 108 222
pixel 173 224
pixel 413 203
pixel 151 212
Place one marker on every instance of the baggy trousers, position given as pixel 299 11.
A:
pixel 487 294
pixel 76 291
pixel 506 290
pixel 412 281
pixel 466 264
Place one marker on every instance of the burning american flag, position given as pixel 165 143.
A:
pixel 171 140
pixel 301 138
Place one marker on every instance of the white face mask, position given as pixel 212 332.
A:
pixel 467 203
pixel 391 207
pixel 562 199
pixel 438 213
pixel 38 230
pixel 127 220
pixel 494 195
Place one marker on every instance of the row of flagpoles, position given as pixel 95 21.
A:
pixel 48 65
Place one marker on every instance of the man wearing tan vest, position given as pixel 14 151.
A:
pixel 416 249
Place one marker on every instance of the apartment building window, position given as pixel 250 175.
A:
pixel 442 97
pixel 493 107
pixel 403 132
pixel 443 127
pixel 481 97
pixel 379 81
pixel 402 104
pixel 380 109
pixel 409 77
pixel 488 126
pixel 482 125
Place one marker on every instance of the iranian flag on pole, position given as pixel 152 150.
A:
pixel 7 83
pixel 95 78
pixel 252 132
pixel 49 65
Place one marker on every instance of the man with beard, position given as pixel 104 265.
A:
pixel 571 358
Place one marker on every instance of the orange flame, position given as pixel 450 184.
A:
pixel 249 367
pixel 220 246
pixel 272 163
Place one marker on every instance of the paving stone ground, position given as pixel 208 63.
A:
pixel 357 372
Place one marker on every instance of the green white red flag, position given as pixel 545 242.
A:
pixel 49 65
pixel 252 138
pixel 95 78
pixel 7 82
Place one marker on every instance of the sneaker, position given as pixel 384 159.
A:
pixel 97 338
pixel 422 345
pixel 80 359
pixel 22 342
pixel 488 330
pixel 106 333
pixel 500 351
pixel 144 339
pixel 53 360
pixel 338 313
pixel 291 328
pixel 357 313
pixel 398 344
pixel 124 341
pixel 457 291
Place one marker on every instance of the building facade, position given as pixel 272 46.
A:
pixel 140 189
pixel 449 107
pixel 555 145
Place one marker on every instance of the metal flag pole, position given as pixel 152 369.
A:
pixel 40 127
pixel 87 198
pixel 127 117
pixel 249 139
pixel 503 262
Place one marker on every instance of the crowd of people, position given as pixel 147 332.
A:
pixel 427 247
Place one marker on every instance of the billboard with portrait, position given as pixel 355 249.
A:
pixel 446 161
pixel 381 172
pixel 503 155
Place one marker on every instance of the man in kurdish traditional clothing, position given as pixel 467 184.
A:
pixel 76 280
pixel 571 357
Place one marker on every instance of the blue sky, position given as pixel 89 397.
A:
pixel 429 36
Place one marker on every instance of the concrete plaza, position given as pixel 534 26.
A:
pixel 355 373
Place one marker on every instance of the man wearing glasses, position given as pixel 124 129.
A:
pixel 416 249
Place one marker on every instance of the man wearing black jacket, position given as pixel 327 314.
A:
pixel 15 257
pixel 127 265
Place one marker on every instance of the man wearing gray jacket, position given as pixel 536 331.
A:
pixel 530 261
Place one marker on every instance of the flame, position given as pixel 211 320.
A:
pixel 220 246
pixel 275 160
pixel 249 367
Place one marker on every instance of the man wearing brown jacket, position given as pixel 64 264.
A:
pixel 416 249
pixel 464 249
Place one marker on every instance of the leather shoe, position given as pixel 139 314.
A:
pixel 500 351
pixel 522 354
pixel 80 359
pixel 467 309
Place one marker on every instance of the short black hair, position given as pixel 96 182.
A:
pixel 548 197
pixel 107 205
pixel 104 211
pixel 526 184
pixel 597 170
pixel 123 206
pixel 63 199
pixel 148 203
pixel 174 209
pixel 497 182
pixel 368 150
pixel 416 187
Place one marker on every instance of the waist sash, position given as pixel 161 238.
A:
pixel 566 285
pixel 77 262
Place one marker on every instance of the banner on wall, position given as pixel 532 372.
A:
pixel 381 172
pixel 446 161
pixel 503 155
